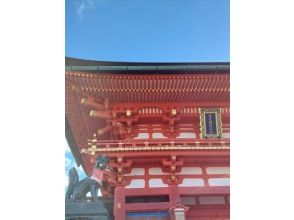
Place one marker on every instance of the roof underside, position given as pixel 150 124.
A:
pixel 152 88
pixel 209 86
pixel 97 66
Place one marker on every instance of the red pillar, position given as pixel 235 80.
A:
pixel 174 197
pixel 119 203
pixel 174 194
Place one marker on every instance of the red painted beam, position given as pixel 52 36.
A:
pixel 209 206
pixel 154 206
pixel 225 154
pixel 167 141
pixel 144 192
pixel 177 105
pixel 209 212
pixel 207 190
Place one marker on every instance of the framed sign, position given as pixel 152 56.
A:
pixel 210 123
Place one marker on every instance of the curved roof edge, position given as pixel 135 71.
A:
pixel 92 65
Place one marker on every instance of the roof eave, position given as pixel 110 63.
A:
pixel 185 68
pixel 73 64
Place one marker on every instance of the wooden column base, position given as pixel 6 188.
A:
pixel 119 203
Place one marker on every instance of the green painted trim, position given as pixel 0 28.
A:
pixel 149 68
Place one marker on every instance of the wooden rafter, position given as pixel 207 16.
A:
pixel 90 101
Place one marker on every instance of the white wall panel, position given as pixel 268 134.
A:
pixel 188 200
pixel 192 182
pixel 219 181
pixel 218 170
pixel 142 136
pixel 137 183
pixel 154 183
pixel 207 200
pixel 191 170
pixel 157 135
pixel 156 171
pixel 187 135
pixel 136 172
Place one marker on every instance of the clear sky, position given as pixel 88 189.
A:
pixel 69 163
pixel 153 30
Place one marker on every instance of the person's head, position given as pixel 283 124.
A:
pixel 101 161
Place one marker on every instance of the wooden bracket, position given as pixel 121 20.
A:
pixel 100 114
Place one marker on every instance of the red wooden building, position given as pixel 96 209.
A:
pixel 165 127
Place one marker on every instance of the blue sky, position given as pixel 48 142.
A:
pixel 153 30
pixel 148 31
pixel 69 163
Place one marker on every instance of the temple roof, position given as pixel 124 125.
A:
pixel 134 82
pixel 155 67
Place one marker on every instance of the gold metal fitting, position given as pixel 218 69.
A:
pixel 128 113
pixel 174 111
pixel 93 113
pixel 84 101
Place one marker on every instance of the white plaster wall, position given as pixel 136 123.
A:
pixel 192 182
pixel 136 172
pixel 137 183
pixel 142 136
pixel 191 170
pixel 218 170
pixel 157 135
pixel 156 171
pixel 188 200
pixel 187 135
pixel 154 183
pixel 207 200
pixel 219 181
